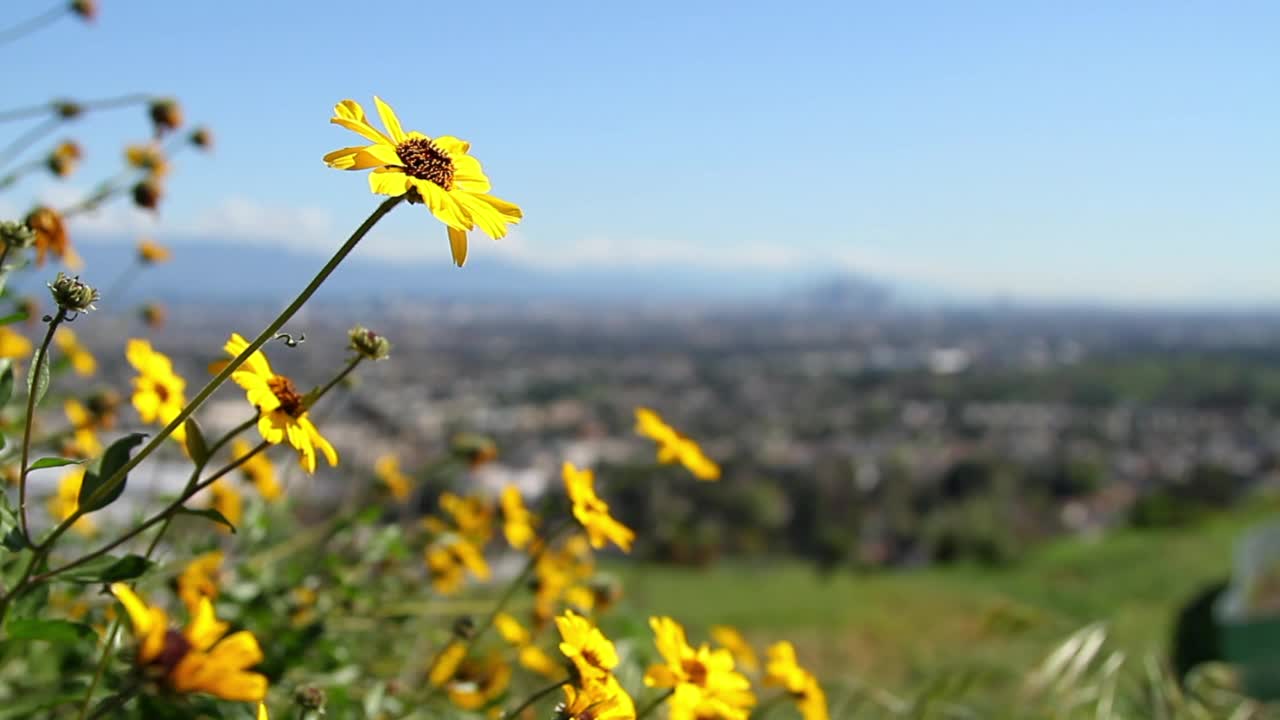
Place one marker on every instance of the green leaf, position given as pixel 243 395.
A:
pixel 197 448
pixel 38 382
pixel 6 381
pixel 12 318
pixel 9 522
pixel 58 631
pixel 108 569
pixel 112 460
pixel 208 514
pixel 52 462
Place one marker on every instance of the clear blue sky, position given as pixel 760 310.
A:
pixel 1126 151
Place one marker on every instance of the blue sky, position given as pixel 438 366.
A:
pixel 1089 150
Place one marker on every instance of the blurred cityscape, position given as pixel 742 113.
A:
pixel 851 430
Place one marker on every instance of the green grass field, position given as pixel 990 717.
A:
pixel 898 630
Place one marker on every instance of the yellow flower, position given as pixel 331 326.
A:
pixel 387 468
pixel 199 659
pixel 227 501
pixel 511 630
pixel 597 701
pixel 63 159
pixel 159 393
pixel 674 447
pixel 477 681
pixel 535 659
pixel 148 157
pixel 152 253
pixel 593 512
pixel 64 503
pixel 13 345
pixel 449 559
pixel 199 579
pixel 436 172
pixel 472 515
pixel 587 648
pixel 283 413
pixel 782 670
pixel 257 470
pixel 517 521
pixel 730 639
pixel 51 237
pixel 721 691
pixel 447 663
pixel 83 426
pixel 82 361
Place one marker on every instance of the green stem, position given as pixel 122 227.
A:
pixel 101 669
pixel 27 139
pixel 116 478
pixel 33 379
pixel 535 698
pixel 32 24
pixel 653 704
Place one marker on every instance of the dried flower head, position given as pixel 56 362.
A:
pixel 202 137
pixel 166 115
pixel 147 194
pixel 153 315
pixel 368 343
pixel 71 294
pixel 86 9
pixel 310 698
pixel 64 158
pixel 16 235
pixel 51 236
pixel 67 109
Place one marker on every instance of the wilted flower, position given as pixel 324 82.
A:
pixel 368 343
pixel 51 236
pixel 151 252
pixel 593 512
pixel 72 295
pixel 283 412
pixel 64 158
pixel 166 115
pixel 202 658
pixel 437 173
pixel 147 194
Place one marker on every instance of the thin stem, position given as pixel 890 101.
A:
pixel 33 24
pixel 116 478
pixel 653 704
pixel 18 172
pixel 101 669
pixel 33 380
pixel 336 379
pixel 535 698
pixel 26 139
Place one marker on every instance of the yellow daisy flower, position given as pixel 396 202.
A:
pixel 782 670
pixel 435 172
pixel 472 515
pixel 66 500
pixel 477 681
pixel 199 579
pixel 202 658
pixel 82 361
pixel 283 414
pixel 151 252
pixel 587 648
pixel 517 521
pixel 159 393
pixel 227 501
pixel 84 428
pixel 730 639
pixel 597 701
pixel 449 559
pixel 387 469
pixel 715 688
pixel 258 470
pixel 593 512
pixel 13 345
pixel 675 447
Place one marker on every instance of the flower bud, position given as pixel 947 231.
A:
pixel 86 9
pixel 72 295
pixel 67 109
pixel 310 698
pixel 166 115
pixel 147 194
pixel 202 137
pixel 153 315
pixel 368 343
pixel 17 235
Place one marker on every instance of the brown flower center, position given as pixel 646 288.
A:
pixel 288 395
pixel 695 671
pixel 424 160
pixel 175 648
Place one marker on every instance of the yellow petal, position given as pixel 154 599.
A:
pixel 237 651
pixel 443 205
pixel 389 120
pixel 468 175
pixel 452 145
pixel 388 181
pixel 361 158
pixel 488 218
pixel 350 115
pixel 205 628
pixel 458 246
pixel 256 363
